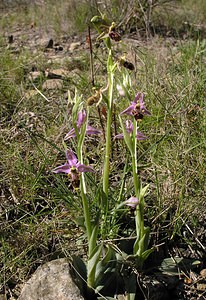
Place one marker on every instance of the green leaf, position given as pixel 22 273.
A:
pixel 108 281
pixel 102 199
pixel 80 221
pixel 79 273
pixel 136 246
pixel 110 63
pixel 93 240
pixel 108 256
pixel 146 238
pixel 176 265
pixel 127 137
pixel 104 268
pixel 146 253
pixel 79 266
pixel 143 191
pixel 121 256
pixel 92 263
pixel 140 246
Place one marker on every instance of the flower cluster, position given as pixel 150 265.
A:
pixel 138 110
pixel 73 167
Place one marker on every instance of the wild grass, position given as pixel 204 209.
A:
pixel 37 207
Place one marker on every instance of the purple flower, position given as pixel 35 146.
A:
pixel 81 118
pixel 140 136
pixel 72 166
pixel 129 129
pixel 137 108
pixel 70 134
pixel 92 130
pixel 80 121
pixel 132 202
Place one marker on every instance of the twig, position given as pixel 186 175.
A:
pixel 91 56
pixel 190 230
pixel 40 92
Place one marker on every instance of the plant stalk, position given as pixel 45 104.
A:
pixel 108 130
pixel 83 186
pixel 139 216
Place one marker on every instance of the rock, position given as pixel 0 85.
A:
pixel 203 273
pixel 56 74
pixel 52 84
pixel 50 44
pixel 31 93
pixel 35 75
pixel 52 281
pixel 201 287
pixel 74 46
pixel 58 47
pixel 46 44
pixel 58 60
pixel 10 39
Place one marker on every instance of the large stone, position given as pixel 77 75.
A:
pixel 52 281
pixel 53 84
pixel 74 46
pixel 56 74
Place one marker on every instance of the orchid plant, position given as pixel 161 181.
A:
pixel 103 258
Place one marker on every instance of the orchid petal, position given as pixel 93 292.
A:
pixel 62 169
pixel 140 97
pixel 120 90
pixel 129 129
pixel 140 136
pixel 129 126
pixel 129 109
pixel 71 158
pixel 81 118
pixel 146 112
pixel 92 130
pixel 83 168
pixel 70 134
pixel 119 136
pixel 132 202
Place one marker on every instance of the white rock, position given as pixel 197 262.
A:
pixel 74 46
pixel 52 84
pixel 52 281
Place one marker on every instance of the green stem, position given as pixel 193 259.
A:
pixel 134 162
pixel 87 216
pixel 139 213
pixel 108 130
pixel 107 153
pixel 83 185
